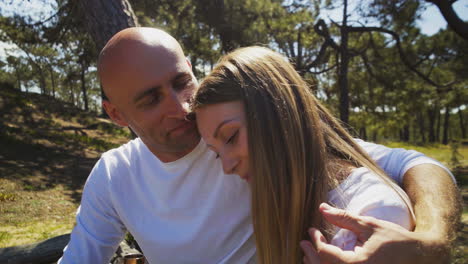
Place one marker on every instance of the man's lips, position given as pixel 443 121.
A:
pixel 182 127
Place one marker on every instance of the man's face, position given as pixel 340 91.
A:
pixel 151 91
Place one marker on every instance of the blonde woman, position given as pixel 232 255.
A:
pixel 266 126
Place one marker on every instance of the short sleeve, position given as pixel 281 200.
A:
pixel 397 161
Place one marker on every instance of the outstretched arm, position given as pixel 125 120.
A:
pixel 437 207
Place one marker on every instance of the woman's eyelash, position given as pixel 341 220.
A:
pixel 231 139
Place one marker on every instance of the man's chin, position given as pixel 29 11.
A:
pixel 190 139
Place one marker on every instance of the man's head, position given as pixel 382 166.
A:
pixel 149 83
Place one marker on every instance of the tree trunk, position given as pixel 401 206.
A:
pixel 343 69
pixel 438 126
pixel 44 252
pixel 104 18
pixel 83 86
pixel 363 133
pixel 404 133
pixel 50 250
pixel 374 136
pixel 18 80
pixel 421 127
pixel 446 125
pixel 462 123
pixel 52 78
pixel 72 93
pixel 431 114
pixel 18 75
pixel 42 81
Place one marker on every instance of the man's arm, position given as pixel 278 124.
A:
pixel 98 229
pixel 437 207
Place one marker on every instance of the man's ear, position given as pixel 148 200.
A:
pixel 114 113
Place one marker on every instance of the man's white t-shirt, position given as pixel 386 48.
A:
pixel 186 211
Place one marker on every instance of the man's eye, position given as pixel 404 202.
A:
pixel 178 86
pixel 152 100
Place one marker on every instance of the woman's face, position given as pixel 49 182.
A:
pixel 223 127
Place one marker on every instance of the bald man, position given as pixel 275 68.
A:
pixel 166 187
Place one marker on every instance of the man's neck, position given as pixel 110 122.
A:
pixel 170 156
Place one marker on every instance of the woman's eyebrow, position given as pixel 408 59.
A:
pixel 215 134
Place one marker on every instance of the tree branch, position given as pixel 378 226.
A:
pixel 405 60
pixel 323 71
pixel 320 57
pixel 322 30
pixel 446 9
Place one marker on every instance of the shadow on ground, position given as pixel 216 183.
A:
pixel 46 142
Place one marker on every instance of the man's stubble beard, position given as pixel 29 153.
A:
pixel 185 142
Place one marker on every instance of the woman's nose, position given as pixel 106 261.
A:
pixel 229 164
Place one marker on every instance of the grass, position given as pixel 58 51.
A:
pixel 440 152
pixel 25 233
pixel 44 164
pixel 34 215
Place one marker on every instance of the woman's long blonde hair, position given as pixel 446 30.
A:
pixel 292 141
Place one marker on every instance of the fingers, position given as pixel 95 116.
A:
pixel 310 255
pixel 328 253
pixel 343 219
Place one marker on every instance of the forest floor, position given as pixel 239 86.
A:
pixel 48 149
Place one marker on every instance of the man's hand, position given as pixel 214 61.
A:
pixel 378 242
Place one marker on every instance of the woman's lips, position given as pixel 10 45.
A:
pixel 245 177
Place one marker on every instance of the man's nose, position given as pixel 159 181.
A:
pixel 178 106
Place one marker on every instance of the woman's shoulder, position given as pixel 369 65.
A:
pixel 358 180
pixel 363 190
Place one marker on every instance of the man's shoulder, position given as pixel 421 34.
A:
pixel 127 151
pixel 121 157
pixel 116 162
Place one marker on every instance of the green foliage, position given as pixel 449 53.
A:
pixel 398 15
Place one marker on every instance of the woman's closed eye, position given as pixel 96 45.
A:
pixel 233 138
